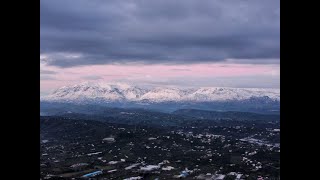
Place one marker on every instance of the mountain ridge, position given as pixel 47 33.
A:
pixel 121 92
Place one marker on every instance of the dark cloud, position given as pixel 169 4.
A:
pixel 147 31
pixel 180 69
pixel 47 72
pixel 93 77
pixel 47 77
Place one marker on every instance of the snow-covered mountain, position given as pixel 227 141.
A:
pixel 119 92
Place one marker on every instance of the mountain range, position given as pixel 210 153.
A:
pixel 123 92
pixel 166 99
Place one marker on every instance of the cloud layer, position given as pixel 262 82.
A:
pixel 195 75
pixel 97 32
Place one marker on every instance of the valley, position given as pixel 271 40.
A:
pixel 140 144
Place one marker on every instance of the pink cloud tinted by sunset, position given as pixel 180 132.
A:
pixel 128 73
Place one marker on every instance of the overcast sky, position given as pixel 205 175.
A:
pixel 160 42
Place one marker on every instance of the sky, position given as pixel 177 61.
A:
pixel 182 43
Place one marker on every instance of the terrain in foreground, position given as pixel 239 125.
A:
pixel 188 144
